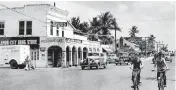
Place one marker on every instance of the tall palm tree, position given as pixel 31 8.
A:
pixel 151 45
pixel 133 31
pixel 107 23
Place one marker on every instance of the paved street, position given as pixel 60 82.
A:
pixel 112 78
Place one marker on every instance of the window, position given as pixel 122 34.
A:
pixel 21 27
pixel 25 27
pixel 51 28
pixel 62 33
pixel 34 54
pixel 29 28
pixel 1 28
pixel 57 31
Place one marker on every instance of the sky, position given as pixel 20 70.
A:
pixel 151 17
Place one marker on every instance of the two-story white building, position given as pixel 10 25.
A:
pixel 46 29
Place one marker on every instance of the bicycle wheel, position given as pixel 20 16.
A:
pixel 162 83
pixel 135 83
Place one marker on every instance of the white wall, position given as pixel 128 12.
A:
pixel 12 19
pixel 79 37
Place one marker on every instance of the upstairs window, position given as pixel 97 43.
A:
pixel 2 28
pixel 51 28
pixel 62 33
pixel 29 28
pixel 21 27
pixel 57 31
pixel 25 27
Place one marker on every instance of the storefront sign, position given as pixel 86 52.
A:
pixel 68 40
pixel 48 40
pixel 42 49
pixel 19 40
pixel 60 24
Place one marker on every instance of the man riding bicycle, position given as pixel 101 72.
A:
pixel 136 63
pixel 161 66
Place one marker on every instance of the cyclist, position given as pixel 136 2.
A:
pixel 161 66
pixel 136 63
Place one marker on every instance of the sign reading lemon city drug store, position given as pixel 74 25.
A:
pixel 19 41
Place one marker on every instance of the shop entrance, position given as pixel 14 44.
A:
pixel 54 56
pixel 85 52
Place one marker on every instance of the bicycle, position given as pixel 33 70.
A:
pixel 161 80
pixel 135 79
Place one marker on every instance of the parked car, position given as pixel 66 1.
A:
pixel 123 60
pixel 94 60
pixel 168 57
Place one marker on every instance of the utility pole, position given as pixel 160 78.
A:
pixel 115 43
pixel 145 46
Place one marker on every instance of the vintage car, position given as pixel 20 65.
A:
pixel 111 58
pixel 168 57
pixel 94 60
pixel 123 60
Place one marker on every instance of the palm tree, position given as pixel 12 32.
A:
pixel 75 21
pixel 107 23
pixel 151 45
pixel 81 27
pixel 133 31
pixel 84 27
pixel 94 29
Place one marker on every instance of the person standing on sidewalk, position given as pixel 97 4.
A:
pixel 27 63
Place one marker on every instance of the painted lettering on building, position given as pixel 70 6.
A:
pixel 68 40
pixel 19 41
pixel 48 40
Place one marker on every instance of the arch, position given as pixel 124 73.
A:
pixel 54 56
pixel 79 55
pixel 68 55
pixel 85 52
pixel 74 56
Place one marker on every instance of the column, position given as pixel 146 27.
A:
pixel 64 59
pixel 70 62
pixel 77 58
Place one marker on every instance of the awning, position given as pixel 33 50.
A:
pixel 107 50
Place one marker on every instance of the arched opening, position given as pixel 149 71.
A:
pixel 79 55
pixel 68 55
pixel 85 52
pixel 54 56
pixel 74 56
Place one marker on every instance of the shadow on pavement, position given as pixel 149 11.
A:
pixel 148 78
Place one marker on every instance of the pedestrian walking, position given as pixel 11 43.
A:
pixel 29 65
